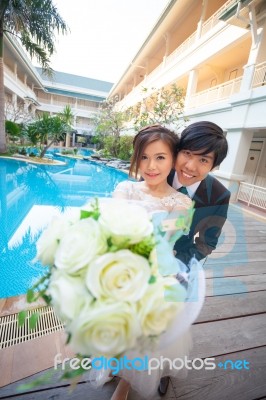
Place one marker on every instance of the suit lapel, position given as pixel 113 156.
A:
pixel 202 197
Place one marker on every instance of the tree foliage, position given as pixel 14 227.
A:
pixel 16 112
pixel 121 147
pixel 67 116
pixel 13 130
pixel 34 23
pixel 163 106
pixel 46 131
pixel 110 121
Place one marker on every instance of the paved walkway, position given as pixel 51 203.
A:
pixel 231 326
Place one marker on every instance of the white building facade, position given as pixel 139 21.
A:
pixel 28 92
pixel 216 51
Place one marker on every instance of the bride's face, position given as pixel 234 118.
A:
pixel 156 162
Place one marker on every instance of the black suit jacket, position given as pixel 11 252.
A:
pixel 211 202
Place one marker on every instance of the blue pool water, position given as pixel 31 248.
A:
pixel 30 195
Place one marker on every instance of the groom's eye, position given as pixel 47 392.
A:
pixel 204 160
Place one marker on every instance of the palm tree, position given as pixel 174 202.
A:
pixel 47 129
pixel 67 116
pixel 34 22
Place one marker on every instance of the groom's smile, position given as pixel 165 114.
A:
pixel 192 167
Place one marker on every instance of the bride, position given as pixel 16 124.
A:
pixel 155 149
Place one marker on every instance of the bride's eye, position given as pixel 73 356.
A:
pixel 144 157
pixel 160 158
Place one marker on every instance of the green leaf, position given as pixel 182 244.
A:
pixel 43 380
pixel 90 214
pixel 33 320
pixel 22 315
pixel 30 296
pixel 74 373
pixel 152 280
pixel 46 298
pixel 68 338
pixel 86 214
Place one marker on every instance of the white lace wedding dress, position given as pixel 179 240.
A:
pixel 176 343
pixel 133 191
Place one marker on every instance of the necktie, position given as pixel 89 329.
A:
pixel 183 190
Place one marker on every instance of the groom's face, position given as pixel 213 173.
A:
pixel 192 167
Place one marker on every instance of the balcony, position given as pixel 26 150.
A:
pixel 15 85
pixel 259 78
pixel 215 94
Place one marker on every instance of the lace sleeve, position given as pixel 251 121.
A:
pixel 181 201
pixel 122 190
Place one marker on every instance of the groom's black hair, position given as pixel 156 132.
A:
pixel 205 136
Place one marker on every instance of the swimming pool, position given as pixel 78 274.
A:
pixel 30 195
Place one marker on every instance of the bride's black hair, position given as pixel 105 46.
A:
pixel 147 135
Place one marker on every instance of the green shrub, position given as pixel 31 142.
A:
pixel 23 151
pixel 120 147
pixel 125 147
pixel 67 151
pixel 12 149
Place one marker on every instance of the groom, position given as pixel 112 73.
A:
pixel 202 147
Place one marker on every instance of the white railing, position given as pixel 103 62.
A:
pixel 252 195
pixel 12 77
pixel 180 49
pixel 179 52
pixel 259 78
pixel 206 27
pixel 214 94
pixel 214 19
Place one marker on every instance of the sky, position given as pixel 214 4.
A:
pixel 105 35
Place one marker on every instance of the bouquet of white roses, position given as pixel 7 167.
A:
pixel 106 281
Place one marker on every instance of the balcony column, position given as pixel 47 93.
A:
pixel 68 137
pixel 26 105
pixel 202 18
pixel 166 37
pixel 15 100
pixel 249 68
pixel 73 139
pixel 232 168
pixel 33 110
pixel 16 70
pixel 192 85
pixel 257 51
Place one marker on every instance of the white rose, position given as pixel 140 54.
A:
pixel 107 329
pixel 69 295
pixel 125 222
pixel 155 312
pixel 81 243
pixel 122 275
pixel 49 240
